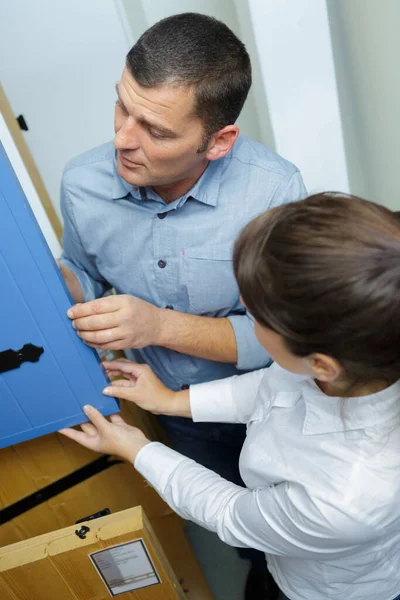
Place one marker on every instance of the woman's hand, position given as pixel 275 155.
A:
pixel 108 437
pixel 141 386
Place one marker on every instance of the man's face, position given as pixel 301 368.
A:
pixel 156 135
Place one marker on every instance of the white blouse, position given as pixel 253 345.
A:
pixel 323 483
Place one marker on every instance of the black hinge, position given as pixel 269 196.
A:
pixel 13 359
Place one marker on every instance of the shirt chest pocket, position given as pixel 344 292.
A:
pixel 209 279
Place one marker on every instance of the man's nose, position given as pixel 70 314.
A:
pixel 126 136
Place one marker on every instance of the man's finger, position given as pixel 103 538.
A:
pixel 105 336
pixel 96 322
pixel 94 307
pixel 117 345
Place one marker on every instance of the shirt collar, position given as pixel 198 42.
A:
pixel 205 189
pixel 325 414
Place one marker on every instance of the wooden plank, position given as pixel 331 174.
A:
pixel 29 466
pixel 6 593
pixel 38 581
pixel 48 458
pixel 26 156
pixel 75 567
pixel 10 533
pixel 34 522
pixel 118 488
pixel 14 481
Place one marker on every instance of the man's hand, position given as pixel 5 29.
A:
pixel 71 282
pixel 125 322
pixel 143 387
pixel 117 322
pixel 108 437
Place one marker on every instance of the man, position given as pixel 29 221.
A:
pixel 155 217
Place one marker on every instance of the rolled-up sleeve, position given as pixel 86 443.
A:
pixel 250 353
pixel 74 256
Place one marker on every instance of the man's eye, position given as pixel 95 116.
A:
pixel 157 135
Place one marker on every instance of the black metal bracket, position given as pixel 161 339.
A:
pixel 81 533
pixel 97 515
pixel 13 359
pixel 57 487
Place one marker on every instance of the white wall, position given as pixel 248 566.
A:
pixel 59 64
pixel 246 34
pixel 294 46
pixel 366 44
pixel 29 189
pixel 61 60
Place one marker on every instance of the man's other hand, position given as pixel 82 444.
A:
pixel 71 282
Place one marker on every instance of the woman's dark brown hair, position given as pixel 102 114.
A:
pixel 325 274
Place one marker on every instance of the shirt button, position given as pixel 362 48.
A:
pixel 170 307
pixel 161 215
pixel 185 386
pixel 162 264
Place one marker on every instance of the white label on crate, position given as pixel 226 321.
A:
pixel 125 567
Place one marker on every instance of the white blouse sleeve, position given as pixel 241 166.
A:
pixel 230 400
pixel 282 520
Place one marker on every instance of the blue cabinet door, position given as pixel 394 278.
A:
pixel 43 396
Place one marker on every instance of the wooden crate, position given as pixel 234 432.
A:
pixel 57 565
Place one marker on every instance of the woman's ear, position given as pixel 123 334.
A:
pixel 325 368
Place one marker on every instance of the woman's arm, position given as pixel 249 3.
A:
pixel 283 519
pixel 278 519
pixel 229 400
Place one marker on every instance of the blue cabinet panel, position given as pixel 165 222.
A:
pixel 39 397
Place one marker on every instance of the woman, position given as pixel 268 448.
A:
pixel 321 460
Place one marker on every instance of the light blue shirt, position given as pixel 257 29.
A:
pixel 176 255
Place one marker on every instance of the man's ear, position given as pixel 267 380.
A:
pixel 325 368
pixel 222 142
